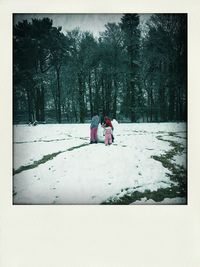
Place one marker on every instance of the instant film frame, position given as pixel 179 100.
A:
pixel 39 177
pixel 99 235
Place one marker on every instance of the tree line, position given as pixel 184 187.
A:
pixel 129 72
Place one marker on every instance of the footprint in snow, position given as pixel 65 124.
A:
pixel 136 182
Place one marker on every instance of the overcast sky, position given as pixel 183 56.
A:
pixel 94 23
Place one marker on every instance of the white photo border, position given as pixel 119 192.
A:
pixel 95 235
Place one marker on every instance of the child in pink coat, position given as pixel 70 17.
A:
pixel 108 135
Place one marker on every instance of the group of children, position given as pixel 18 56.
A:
pixel 108 130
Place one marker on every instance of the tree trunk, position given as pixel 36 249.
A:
pixel 58 95
pixel 162 98
pixel 132 102
pixel 37 103
pixel 103 95
pixel 151 104
pixel 31 113
pixel 96 98
pixel 81 99
pixel 115 98
pixel 108 95
pixel 132 87
pixel 90 96
pixel 162 103
pixel 42 104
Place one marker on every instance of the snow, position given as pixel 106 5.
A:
pixel 180 160
pixel 90 174
pixel 168 201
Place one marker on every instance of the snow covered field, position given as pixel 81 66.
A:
pixel 54 164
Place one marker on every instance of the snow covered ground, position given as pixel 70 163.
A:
pixel 54 164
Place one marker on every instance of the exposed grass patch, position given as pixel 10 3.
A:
pixel 178 175
pixel 157 196
pixel 40 141
pixel 44 159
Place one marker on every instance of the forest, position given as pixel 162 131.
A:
pixel 130 73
